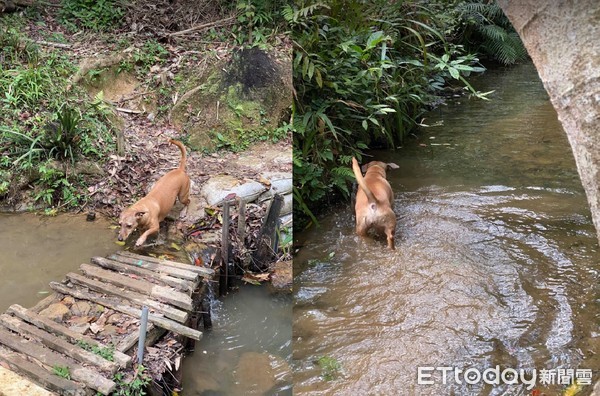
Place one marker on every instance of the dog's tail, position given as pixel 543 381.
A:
pixel 361 181
pixel 183 154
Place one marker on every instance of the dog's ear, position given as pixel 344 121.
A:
pixel 139 215
pixel 364 167
pixel 391 165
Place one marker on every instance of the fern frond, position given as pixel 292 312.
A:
pixel 493 32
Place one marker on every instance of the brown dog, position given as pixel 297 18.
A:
pixel 149 211
pixel 375 200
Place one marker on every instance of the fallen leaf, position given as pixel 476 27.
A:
pixel 96 328
pixel 230 196
pixel 120 243
pixel 264 181
pixel 175 246
pixel 251 281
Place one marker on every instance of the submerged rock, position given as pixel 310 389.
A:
pixel 282 276
pixel 258 373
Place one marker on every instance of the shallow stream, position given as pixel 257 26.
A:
pixel 497 261
pixel 246 352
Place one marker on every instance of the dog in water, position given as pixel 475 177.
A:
pixel 374 206
pixel 149 211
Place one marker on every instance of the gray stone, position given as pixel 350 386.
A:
pixel 217 188
pixel 281 183
pixel 81 308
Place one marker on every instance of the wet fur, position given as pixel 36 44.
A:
pixel 374 205
pixel 148 212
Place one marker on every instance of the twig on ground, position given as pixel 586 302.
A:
pixel 222 22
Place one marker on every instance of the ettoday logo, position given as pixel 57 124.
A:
pixel 508 376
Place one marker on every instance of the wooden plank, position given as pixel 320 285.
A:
pixel 263 255
pixel 49 325
pixel 58 344
pixel 179 284
pixel 153 333
pixel 180 273
pixel 163 293
pixel 48 380
pixel 49 358
pixel 128 310
pixel 117 279
pixel 241 225
pixel 225 247
pixel 136 298
pixel 131 339
pixel 209 272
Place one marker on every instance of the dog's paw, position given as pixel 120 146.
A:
pixel 139 242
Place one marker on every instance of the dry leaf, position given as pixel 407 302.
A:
pixel 264 181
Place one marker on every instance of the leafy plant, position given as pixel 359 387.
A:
pixel 133 386
pixel 105 352
pixel 96 15
pixel 62 371
pixel 330 367
pixel 62 137
pixel 257 21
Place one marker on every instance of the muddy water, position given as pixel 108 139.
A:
pixel 247 351
pixel 35 250
pixel 497 261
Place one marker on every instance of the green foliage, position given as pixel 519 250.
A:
pixel 105 352
pixel 96 15
pixel 243 138
pixel 330 367
pixel 44 121
pixel 258 21
pixel 364 73
pixel 132 386
pixel 62 371
pixel 487 30
pixel 286 240
pixel 62 137
pixel 54 187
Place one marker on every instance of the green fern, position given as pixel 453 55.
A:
pixel 490 32
pixel 292 15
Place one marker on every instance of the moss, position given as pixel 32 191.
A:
pixel 225 113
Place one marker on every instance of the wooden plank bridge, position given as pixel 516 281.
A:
pixel 99 310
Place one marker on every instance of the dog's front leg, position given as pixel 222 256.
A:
pixel 152 230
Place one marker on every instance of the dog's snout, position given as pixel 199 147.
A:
pixel 120 238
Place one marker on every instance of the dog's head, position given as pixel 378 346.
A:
pixel 379 164
pixel 129 221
